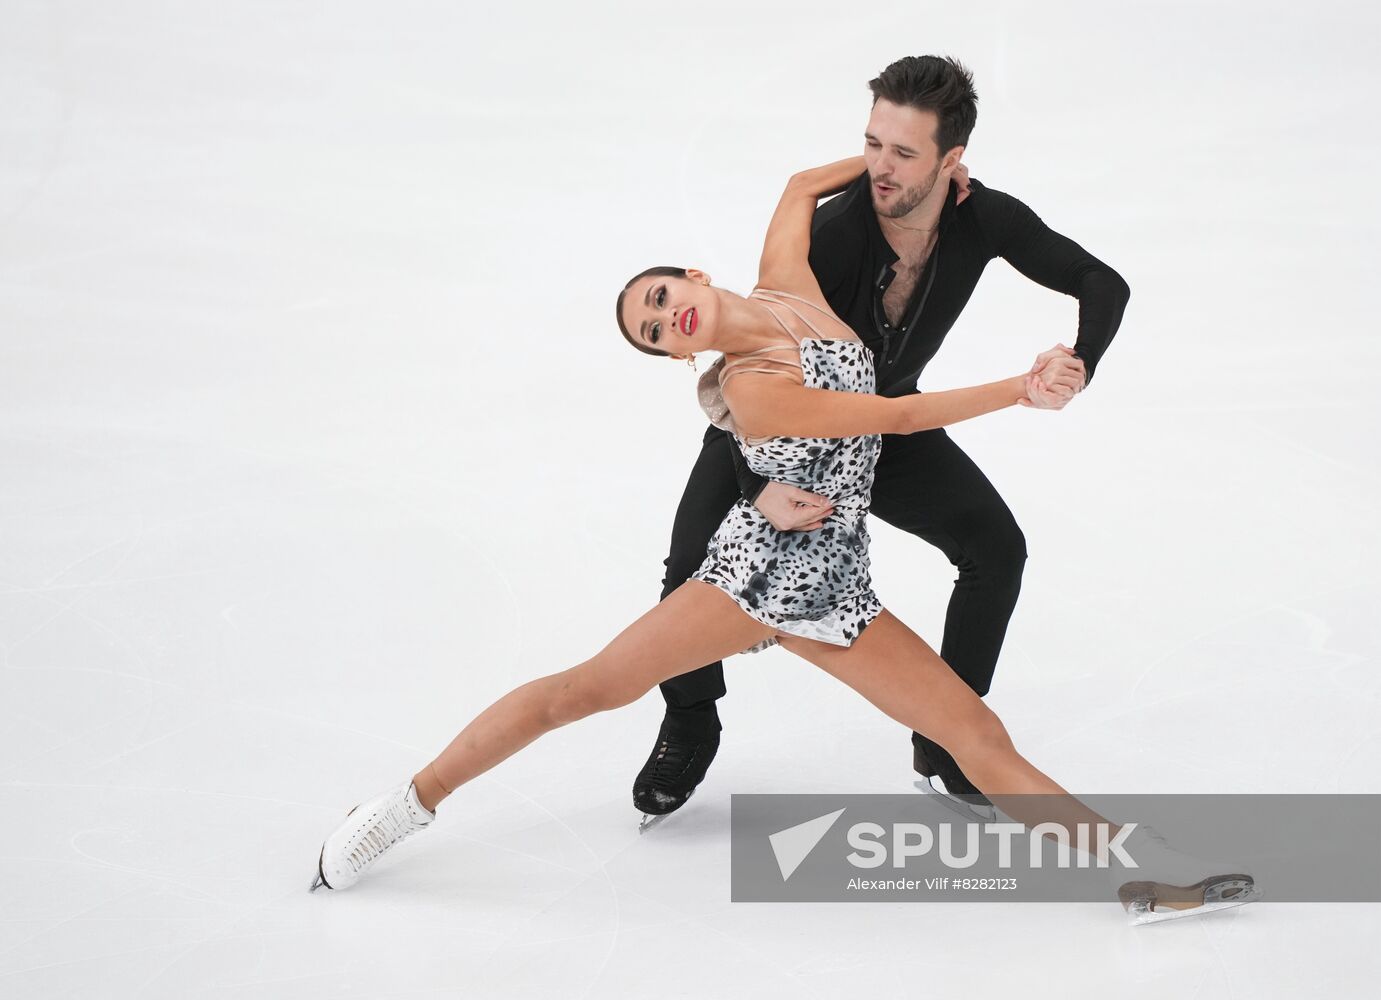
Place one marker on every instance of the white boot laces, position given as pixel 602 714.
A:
pixel 393 825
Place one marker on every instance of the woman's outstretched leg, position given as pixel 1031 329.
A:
pixel 696 624
pixel 896 670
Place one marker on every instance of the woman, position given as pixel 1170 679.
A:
pixel 795 386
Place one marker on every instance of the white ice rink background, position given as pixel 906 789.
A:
pixel 317 435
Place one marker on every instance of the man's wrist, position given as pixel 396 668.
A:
pixel 1083 361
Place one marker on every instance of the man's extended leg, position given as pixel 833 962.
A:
pixel 689 737
pixel 927 486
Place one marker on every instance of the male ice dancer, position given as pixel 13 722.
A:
pixel 897 256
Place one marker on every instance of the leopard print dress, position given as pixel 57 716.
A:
pixel 813 584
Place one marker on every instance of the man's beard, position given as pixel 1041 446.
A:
pixel 909 198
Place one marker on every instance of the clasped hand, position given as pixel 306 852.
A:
pixel 1055 378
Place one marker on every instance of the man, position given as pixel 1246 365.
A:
pixel 897 255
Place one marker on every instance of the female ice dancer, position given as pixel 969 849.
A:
pixel 795 386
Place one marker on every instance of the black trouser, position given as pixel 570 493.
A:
pixel 925 485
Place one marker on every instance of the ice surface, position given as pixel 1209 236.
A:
pixel 317 436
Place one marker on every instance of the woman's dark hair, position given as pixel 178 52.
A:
pixel 932 83
pixel 661 272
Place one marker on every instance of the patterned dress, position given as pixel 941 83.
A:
pixel 813 584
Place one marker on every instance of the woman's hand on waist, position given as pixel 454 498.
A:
pixel 790 509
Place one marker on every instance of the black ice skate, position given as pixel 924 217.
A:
pixel 973 806
pixel 674 769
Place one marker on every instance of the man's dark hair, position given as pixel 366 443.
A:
pixel 932 83
pixel 661 272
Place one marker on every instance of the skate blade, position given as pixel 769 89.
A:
pixel 1152 902
pixel 972 811
pixel 650 820
pixel 320 879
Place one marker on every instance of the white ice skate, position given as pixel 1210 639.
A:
pixel 1167 884
pixel 369 830
pixel 973 808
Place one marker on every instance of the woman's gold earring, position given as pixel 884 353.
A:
pixel 690 360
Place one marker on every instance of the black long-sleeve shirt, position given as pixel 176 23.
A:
pixel 852 261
